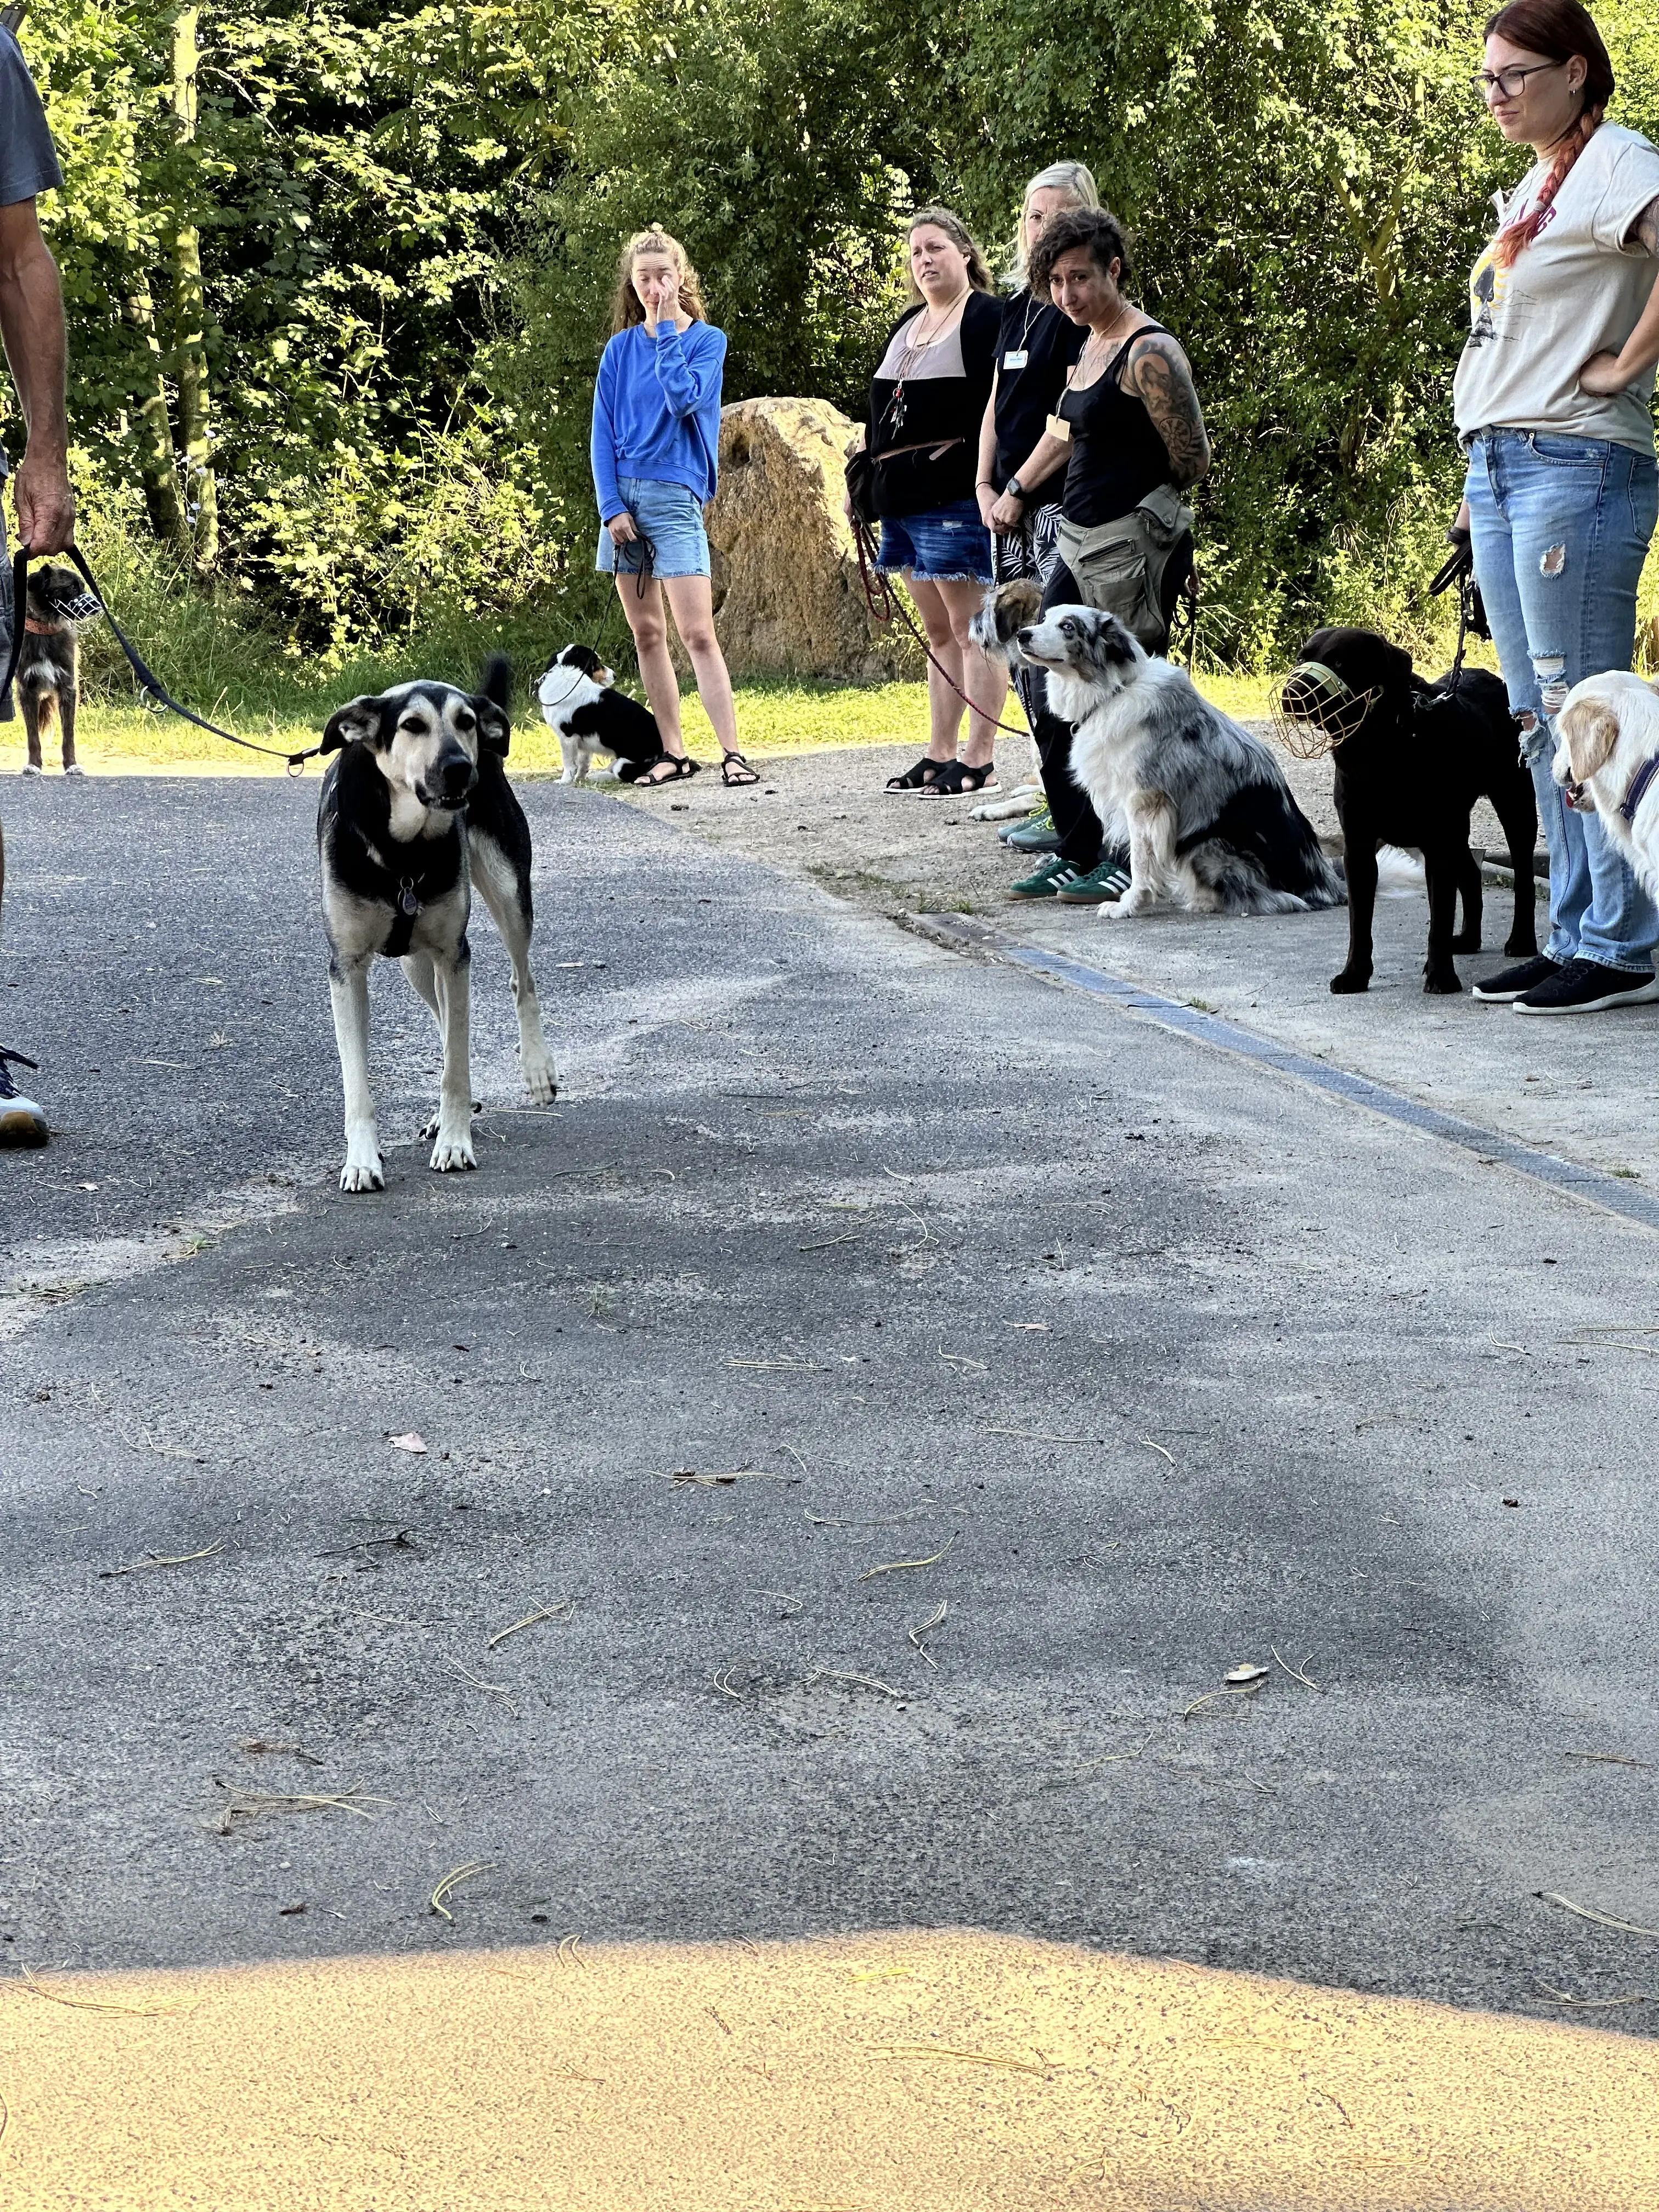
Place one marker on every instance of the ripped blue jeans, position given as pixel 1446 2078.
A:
pixel 1560 529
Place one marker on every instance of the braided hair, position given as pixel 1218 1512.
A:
pixel 1560 30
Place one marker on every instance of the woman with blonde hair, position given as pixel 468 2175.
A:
pixel 927 400
pixel 655 443
pixel 1037 347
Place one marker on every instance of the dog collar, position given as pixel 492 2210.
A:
pixel 43 629
pixel 1633 797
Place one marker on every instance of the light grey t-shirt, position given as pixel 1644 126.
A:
pixel 1578 288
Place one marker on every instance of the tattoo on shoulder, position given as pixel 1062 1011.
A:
pixel 1644 231
pixel 1164 382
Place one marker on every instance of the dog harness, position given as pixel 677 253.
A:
pixel 1633 797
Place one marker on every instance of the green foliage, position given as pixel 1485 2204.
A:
pixel 409 219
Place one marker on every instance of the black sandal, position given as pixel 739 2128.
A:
pixel 745 774
pixel 916 779
pixel 678 765
pixel 956 780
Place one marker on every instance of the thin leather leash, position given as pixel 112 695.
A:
pixel 884 603
pixel 149 684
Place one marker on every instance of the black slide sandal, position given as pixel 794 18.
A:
pixel 956 780
pixel 913 779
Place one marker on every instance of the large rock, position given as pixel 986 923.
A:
pixel 787 597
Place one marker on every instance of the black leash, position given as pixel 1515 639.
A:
pixel 150 685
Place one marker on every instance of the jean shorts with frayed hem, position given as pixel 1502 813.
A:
pixel 945 545
pixel 670 516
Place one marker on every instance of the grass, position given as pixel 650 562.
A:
pixel 773 720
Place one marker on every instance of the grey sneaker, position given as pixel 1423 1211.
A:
pixel 1036 835
pixel 21 1121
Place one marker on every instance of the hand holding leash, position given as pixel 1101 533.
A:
pixel 45 506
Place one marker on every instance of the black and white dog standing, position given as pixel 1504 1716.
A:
pixel 579 699
pixel 417 809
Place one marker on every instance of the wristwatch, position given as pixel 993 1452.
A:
pixel 1013 488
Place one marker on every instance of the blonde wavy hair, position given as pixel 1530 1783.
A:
pixel 1073 177
pixel 626 305
pixel 940 218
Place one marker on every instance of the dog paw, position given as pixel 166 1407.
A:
pixel 1352 979
pixel 540 1082
pixel 362 1174
pixel 1120 909
pixel 452 1152
pixel 1441 984
pixel 75 768
pixel 31 770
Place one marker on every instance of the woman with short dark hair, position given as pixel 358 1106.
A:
pixel 927 402
pixel 1132 425
pixel 1553 401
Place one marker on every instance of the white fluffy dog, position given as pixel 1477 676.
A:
pixel 1607 744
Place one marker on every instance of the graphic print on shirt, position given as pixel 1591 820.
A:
pixel 1489 285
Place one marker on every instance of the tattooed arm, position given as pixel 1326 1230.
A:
pixel 1158 373
pixel 1605 373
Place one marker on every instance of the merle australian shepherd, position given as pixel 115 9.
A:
pixel 416 810
pixel 579 699
pixel 1209 818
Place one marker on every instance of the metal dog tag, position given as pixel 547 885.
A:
pixel 409 903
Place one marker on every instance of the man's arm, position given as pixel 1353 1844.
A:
pixel 1159 374
pixel 32 326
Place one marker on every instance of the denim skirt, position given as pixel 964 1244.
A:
pixel 945 545
pixel 670 516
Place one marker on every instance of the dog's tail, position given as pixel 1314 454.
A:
pixel 1399 874
pixel 495 684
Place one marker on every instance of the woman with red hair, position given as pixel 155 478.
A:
pixel 1553 407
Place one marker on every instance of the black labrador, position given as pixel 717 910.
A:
pixel 1411 759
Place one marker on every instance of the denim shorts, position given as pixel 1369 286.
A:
pixel 945 545
pixel 670 516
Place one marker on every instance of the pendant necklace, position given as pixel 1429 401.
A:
pixel 913 353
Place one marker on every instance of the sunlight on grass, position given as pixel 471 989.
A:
pixel 773 720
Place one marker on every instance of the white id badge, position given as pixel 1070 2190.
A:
pixel 1016 360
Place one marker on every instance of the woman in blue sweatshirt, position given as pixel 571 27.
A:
pixel 656 437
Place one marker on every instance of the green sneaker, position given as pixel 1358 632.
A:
pixel 1038 835
pixel 1047 882
pixel 1107 881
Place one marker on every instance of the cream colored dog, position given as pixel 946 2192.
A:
pixel 1607 751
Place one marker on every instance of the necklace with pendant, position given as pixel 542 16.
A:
pixel 913 353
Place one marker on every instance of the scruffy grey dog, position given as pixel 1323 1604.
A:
pixel 1210 820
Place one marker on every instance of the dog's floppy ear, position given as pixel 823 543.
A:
pixel 359 720
pixel 1589 730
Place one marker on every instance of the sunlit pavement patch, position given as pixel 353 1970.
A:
pixel 873 2074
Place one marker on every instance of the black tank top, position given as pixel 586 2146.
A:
pixel 1117 455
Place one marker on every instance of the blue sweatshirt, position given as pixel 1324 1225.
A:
pixel 656 411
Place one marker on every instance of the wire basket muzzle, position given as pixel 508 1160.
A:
pixel 1313 711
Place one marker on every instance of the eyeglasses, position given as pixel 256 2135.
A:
pixel 1511 83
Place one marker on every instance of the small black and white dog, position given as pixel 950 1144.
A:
pixel 49 666
pixel 1210 820
pixel 579 700
pixel 417 809
pixel 1412 758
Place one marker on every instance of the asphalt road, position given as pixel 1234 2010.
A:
pixel 1121 1361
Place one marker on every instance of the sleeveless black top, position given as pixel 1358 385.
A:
pixel 1117 455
